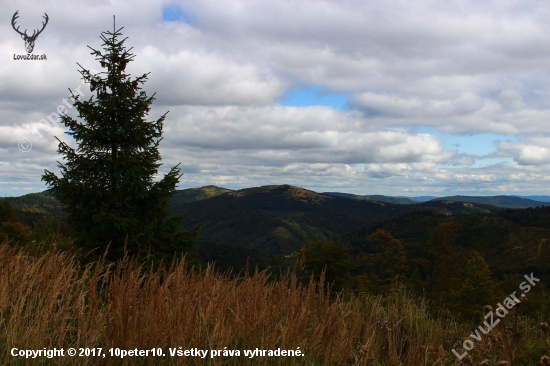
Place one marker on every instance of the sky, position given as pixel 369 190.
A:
pixel 393 97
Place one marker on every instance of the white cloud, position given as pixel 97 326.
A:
pixel 533 151
pixel 278 135
pixel 417 108
pixel 187 78
pixel 463 67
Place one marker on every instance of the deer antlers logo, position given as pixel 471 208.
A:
pixel 29 40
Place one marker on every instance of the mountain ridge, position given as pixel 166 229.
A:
pixel 279 219
pixel 504 201
pixel 499 201
pixel 275 219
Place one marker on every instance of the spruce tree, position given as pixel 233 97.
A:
pixel 107 183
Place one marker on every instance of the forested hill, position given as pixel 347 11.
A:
pixel 272 219
pixel 510 240
pixel 32 207
pixel 374 197
pixel 279 219
pixel 499 201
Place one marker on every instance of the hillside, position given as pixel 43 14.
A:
pixel 196 194
pixel 31 207
pixel 449 208
pixel 499 201
pixel 373 197
pixel 271 219
pixel 511 240
pixel 539 198
pixel 279 219
pixel 389 199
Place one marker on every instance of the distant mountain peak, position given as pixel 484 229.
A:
pixel 284 190
pixel 305 195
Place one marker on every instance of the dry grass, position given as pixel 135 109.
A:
pixel 50 301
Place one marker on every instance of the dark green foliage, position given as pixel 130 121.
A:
pixel 228 258
pixel 511 240
pixel 107 183
pixel 331 258
pixel 53 232
pixel 32 207
pixel 15 231
pixel 442 260
pixel 463 262
pixel 43 202
pixel 10 226
pixel 476 289
pixel 386 264
pixel 6 212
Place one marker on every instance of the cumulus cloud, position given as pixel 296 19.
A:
pixel 278 135
pixel 511 99
pixel 417 108
pixel 533 151
pixel 187 78
pixel 462 68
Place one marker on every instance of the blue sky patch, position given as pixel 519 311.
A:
pixel 174 13
pixel 313 95
pixel 479 144
pixel 485 162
